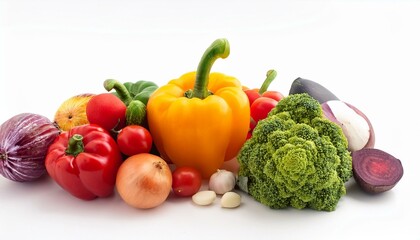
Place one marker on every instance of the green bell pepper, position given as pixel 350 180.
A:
pixel 134 95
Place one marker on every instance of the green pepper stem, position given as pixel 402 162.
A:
pixel 218 49
pixel 271 74
pixel 75 145
pixel 122 91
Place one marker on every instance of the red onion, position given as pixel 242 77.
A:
pixel 355 124
pixel 24 142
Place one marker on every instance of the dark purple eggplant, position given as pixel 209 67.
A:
pixel 314 89
pixel 24 142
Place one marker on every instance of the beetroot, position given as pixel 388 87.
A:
pixel 376 171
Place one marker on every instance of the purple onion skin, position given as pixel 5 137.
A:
pixel 24 142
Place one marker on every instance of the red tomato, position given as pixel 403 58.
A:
pixel 106 110
pixel 261 107
pixel 186 181
pixel 134 139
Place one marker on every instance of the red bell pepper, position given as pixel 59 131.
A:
pixel 262 101
pixel 84 161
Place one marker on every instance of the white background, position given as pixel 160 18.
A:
pixel 366 52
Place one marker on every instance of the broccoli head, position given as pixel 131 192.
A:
pixel 296 157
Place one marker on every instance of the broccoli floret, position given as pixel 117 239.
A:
pixel 296 157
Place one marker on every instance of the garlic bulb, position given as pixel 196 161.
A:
pixel 222 181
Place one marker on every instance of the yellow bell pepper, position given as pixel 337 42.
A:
pixel 201 119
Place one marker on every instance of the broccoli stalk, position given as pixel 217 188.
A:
pixel 296 157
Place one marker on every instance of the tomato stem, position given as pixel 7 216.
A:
pixel 218 49
pixel 75 145
pixel 271 74
pixel 121 90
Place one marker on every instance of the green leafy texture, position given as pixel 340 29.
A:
pixel 296 157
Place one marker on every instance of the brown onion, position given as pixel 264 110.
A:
pixel 144 181
pixel 24 142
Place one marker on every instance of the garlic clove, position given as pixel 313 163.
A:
pixel 204 198
pixel 230 200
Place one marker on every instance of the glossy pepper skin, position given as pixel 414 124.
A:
pixel 84 161
pixel 200 120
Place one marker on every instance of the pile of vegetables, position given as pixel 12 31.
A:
pixel 149 143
